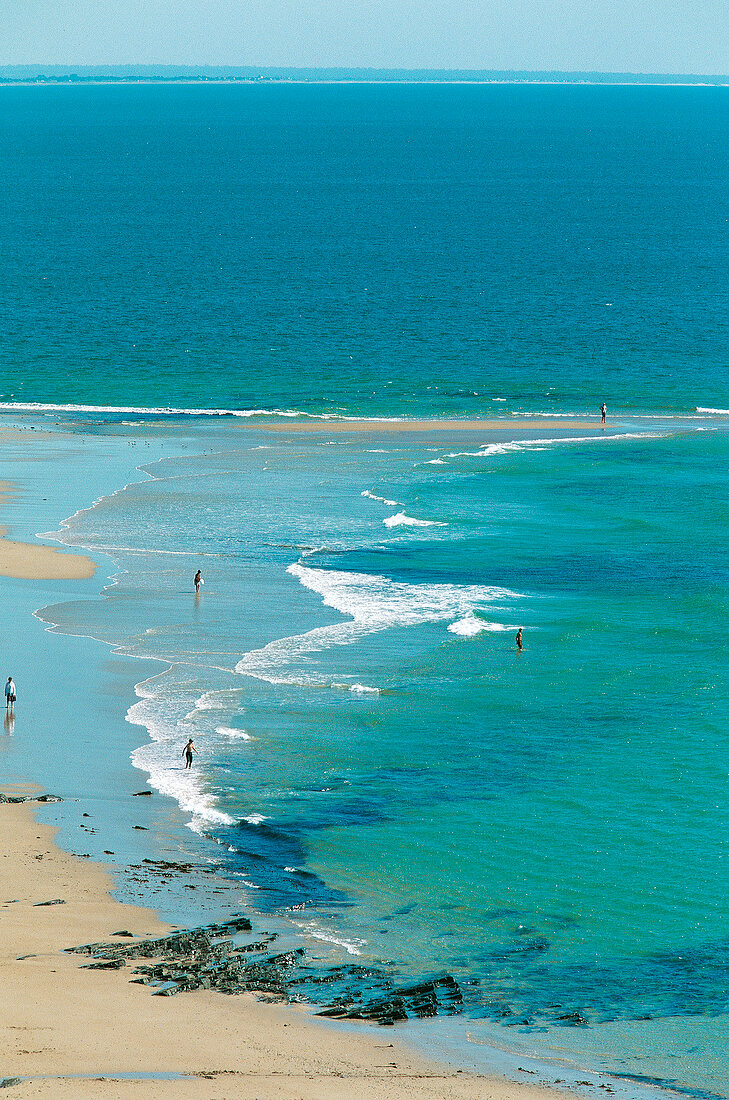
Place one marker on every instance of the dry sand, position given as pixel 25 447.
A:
pixel 59 1021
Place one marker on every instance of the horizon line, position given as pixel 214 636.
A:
pixel 37 68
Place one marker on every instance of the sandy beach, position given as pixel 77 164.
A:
pixel 61 1022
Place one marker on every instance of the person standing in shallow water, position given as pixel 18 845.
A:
pixel 198 582
pixel 519 646
pixel 9 694
pixel 603 411
pixel 187 752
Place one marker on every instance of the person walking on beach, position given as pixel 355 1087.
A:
pixel 519 646
pixel 9 694
pixel 187 752
pixel 198 582
pixel 603 410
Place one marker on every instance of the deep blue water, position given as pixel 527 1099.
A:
pixel 394 249
pixel 550 826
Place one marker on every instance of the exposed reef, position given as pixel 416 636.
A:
pixel 210 958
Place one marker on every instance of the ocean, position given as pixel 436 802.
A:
pixel 193 274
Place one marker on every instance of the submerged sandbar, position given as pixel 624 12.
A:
pixel 446 426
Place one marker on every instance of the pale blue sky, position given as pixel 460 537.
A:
pixel 673 36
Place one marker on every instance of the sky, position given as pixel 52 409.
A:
pixel 658 36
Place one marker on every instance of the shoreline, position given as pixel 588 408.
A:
pixel 200 1044
pixel 65 1021
pixel 492 1063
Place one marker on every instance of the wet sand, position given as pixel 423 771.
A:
pixel 32 561
pixel 442 427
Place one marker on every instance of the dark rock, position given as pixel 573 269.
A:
pixel 209 958
pixel 142 794
pixel 441 995
pixel 142 828
pixel 124 932
pixel 54 901
pixel 576 1019
pixel 7 1082
pixel 14 799
pixel 167 867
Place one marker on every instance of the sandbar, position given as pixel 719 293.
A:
pixel 426 426
pixel 33 561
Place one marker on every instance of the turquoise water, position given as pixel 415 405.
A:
pixel 379 769
pixel 379 764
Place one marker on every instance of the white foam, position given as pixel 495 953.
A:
pixel 363 689
pixel 401 520
pixel 434 462
pixel 372 603
pixel 317 933
pixel 233 734
pixel 255 819
pixel 383 500
pixel 161 757
pixel 137 410
pixel 714 412
pixel 470 625
pixel 307 551
pixel 215 700
pixel 489 449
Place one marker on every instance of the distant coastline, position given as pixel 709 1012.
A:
pixel 209 74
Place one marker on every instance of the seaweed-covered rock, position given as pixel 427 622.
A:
pixel 14 799
pixel 209 958
pixel 440 996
